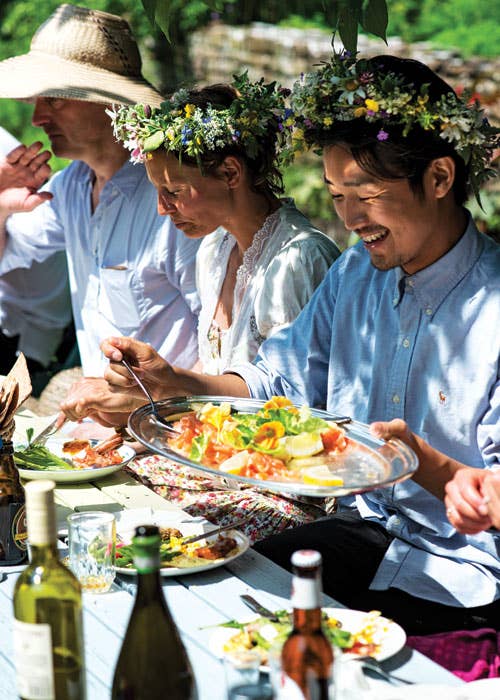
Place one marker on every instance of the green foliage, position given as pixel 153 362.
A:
pixel 470 26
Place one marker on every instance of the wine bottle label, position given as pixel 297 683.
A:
pixel 33 661
pixel 306 593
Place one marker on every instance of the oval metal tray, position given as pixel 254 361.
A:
pixel 367 464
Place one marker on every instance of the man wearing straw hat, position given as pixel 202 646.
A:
pixel 35 305
pixel 131 271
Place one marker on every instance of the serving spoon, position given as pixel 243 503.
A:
pixel 155 414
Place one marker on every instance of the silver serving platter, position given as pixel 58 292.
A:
pixel 367 464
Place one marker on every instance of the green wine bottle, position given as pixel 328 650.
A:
pixel 48 628
pixel 153 664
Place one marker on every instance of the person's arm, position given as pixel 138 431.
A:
pixel 459 485
pixel 109 400
pixel 162 378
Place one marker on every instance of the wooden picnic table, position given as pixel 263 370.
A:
pixel 197 602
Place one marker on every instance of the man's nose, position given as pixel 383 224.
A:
pixel 353 213
pixel 40 113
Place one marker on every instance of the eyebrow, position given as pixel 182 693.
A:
pixel 351 183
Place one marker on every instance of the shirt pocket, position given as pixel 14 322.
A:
pixel 120 298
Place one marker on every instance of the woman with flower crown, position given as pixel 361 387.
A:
pixel 214 154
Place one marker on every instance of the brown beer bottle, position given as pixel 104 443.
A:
pixel 307 656
pixel 13 535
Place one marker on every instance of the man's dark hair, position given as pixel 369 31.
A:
pixel 399 157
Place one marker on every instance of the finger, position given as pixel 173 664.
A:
pixel 39 161
pixel 34 200
pixel 30 153
pixel 13 156
pixel 110 347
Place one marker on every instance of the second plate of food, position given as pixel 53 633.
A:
pixel 177 558
pixel 70 461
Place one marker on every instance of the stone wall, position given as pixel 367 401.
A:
pixel 277 53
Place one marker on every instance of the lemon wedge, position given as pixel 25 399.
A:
pixel 234 464
pixel 302 445
pixel 321 476
pixel 297 464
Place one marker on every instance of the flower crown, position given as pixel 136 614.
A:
pixel 345 89
pixel 186 129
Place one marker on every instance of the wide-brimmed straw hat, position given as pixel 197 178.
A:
pixel 79 54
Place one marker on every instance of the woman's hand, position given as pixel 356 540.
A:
pixel 466 506
pixel 153 370
pixel 91 397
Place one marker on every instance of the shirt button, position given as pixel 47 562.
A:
pixel 428 311
pixel 395 398
pixel 410 283
pixel 406 343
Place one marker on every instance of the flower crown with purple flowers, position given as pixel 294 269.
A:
pixel 186 129
pixel 345 89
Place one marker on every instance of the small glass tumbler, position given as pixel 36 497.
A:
pixel 92 547
pixel 241 668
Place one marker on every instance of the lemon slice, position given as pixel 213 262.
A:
pixel 234 464
pixel 321 476
pixel 302 445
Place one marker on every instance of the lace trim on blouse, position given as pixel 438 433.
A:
pixel 252 254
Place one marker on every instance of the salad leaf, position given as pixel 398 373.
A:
pixel 198 447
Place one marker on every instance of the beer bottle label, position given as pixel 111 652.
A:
pixel 306 593
pixel 13 533
pixel 33 661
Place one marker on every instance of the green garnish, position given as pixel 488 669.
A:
pixel 41 458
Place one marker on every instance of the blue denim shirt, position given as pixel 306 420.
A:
pixel 378 345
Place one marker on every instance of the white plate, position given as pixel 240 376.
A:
pixel 74 475
pixel 393 640
pixel 128 520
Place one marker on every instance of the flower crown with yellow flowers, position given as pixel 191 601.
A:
pixel 186 129
pixel 346 89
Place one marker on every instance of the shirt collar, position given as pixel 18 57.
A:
pixel 126 179
pixel 433 284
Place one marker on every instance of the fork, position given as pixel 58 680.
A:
pixel 52 428
pixel 155 414
pixel 371 665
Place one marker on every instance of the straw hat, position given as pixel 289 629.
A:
pixel 79 54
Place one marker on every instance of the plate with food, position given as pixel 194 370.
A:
pixel 273 444
pixel 176 557
pixel 71 460
pixel 353 631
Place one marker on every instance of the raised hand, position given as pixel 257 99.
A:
pixel 25 166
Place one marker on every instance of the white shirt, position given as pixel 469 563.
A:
pixel 287 260
pixel 35 303
pixel 131 271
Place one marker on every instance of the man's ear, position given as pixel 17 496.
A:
pixel 231 171
pixel 440 176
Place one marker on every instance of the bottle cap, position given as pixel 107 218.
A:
pixel 261 691
pixel 146 548
pixel 306 557
pixel 40 512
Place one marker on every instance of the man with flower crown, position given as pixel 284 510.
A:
pixel 402 334
pixel 131 270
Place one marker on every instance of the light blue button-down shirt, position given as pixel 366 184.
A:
pixel 131 271
pixel 380 345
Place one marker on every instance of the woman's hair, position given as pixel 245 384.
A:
pixel 402 156
pixel 262 167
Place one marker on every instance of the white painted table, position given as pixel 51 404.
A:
pixel 196 601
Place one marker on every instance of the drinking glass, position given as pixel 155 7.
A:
pixel 241 668
pixel 92 546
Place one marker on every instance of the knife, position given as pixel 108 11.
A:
pixel 52 428
pixel 216 531
pixel 258 608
